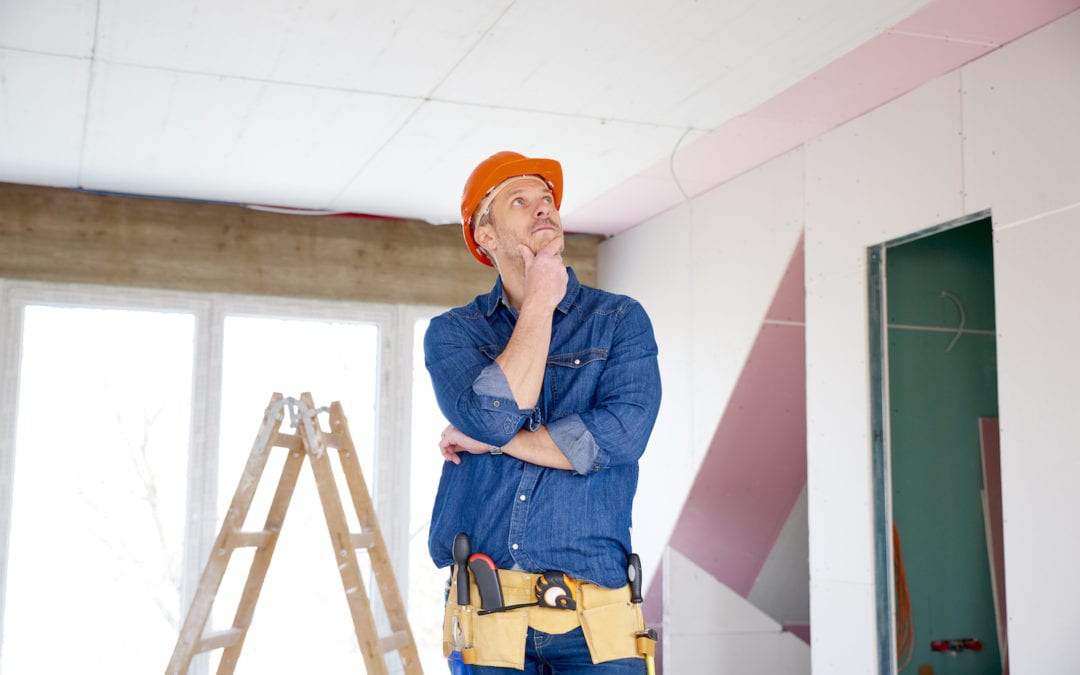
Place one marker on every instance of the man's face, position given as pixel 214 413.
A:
pixel 522 212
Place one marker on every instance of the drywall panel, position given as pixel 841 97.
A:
pixel 147 120
pixel 871 179
pixel 711 628
pixel 839 496
pixel 1038 314
pixel 743 234
pixel 698 604
pixel 838 433
pixel 44 98
pixel 781 588
pixel 49 26
pixel 1021 144
pixel 749 654
pixel 842 621
pixel 649 264
pixel 366 46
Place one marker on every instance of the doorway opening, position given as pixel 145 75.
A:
pixel 936 478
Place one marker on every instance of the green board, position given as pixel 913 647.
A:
pixel 940 384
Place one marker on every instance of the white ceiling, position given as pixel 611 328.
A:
pixel 384 107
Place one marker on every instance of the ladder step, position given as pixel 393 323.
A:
pixel 363 540
pixel 219 639
pixel 394 642
pixel 290 441
pixel 245 539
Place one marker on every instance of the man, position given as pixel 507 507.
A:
pixel 551 389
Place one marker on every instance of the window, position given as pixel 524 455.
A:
pixel 135 413
pixel 302 601
pixel 426 583
pixel 97 514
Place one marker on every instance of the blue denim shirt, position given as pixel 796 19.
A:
pixel 599 401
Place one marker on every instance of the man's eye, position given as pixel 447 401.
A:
pixel 518 201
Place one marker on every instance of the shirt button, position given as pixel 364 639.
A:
pixel 577 362
pixel 514 546
pixel 495 404
pixel 521 497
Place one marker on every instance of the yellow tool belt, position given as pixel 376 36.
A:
pixel 608 619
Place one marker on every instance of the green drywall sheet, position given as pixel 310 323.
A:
pixel 938 390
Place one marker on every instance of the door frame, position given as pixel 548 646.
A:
pixel 880 457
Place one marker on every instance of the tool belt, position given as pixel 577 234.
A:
pixel 608 619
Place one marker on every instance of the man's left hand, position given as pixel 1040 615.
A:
pixel 454 442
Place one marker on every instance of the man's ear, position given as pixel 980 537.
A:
pixel 484 235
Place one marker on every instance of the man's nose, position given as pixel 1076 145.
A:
pixel 543 207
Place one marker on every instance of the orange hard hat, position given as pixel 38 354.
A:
pixel 491 173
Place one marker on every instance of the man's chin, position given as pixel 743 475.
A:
pixel 545 237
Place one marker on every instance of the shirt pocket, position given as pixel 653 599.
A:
pixel 574 377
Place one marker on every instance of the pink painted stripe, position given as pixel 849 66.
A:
pixel 755 467
pixel 800 630
pixel 936 40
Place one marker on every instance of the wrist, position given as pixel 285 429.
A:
pixel 495 450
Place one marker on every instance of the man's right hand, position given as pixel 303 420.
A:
pixel 545 274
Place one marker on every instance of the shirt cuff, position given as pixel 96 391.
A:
pixel 576 442
pixel 492 386
pixel 492 383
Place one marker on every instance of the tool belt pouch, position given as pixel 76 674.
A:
pixel 611 623
pixel 492 639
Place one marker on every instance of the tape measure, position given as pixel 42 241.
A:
pixel 556 590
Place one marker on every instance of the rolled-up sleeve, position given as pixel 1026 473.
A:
pixel 627 399
pixel 576 442
pixel 470 387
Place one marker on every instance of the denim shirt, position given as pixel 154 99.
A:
pixel 600 397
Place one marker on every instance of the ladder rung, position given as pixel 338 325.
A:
pixel 394 642
pixel 242 539
pixel 219 639
pixel 364 540
pixel 290 441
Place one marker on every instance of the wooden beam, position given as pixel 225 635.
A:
pixel 62 235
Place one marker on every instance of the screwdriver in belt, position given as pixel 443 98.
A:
pixel 461 551
pixel 646 639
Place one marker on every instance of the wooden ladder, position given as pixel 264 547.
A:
pixel 312 442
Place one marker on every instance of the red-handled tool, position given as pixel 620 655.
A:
pixel 487 580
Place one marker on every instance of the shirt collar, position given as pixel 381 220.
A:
pixel 497 295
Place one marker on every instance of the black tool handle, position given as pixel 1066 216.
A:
pixel 633 575
pixel 462 549
pixel 487 580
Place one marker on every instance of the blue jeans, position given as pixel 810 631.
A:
pixel 565 654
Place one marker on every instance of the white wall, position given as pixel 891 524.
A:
pixel 1000 133
pixel 717 631
pixel 706 272
pixel 1022 157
